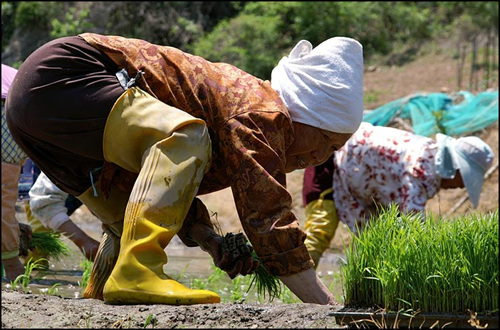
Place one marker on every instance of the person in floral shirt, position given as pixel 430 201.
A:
pixel 382 165
pixel 136 131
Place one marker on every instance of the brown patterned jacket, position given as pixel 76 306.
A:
pixel 250 129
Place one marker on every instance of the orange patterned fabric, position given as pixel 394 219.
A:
pixel 250 129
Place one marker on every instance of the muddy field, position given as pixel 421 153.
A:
pixel 431 74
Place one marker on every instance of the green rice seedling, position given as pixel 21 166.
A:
pixel 288 297
pixel 198 284
pixel 238 293
pixel 25 278
pixel 217 281
pixel 87 268
pixel 232 290
pixel 333 280
pixel 212 281
pixel 53 290
pixel 239 289
pixel 430 265
pixel 265 283
pixel 182 273
pixel 86 319
pixel 239 248
pixel 151 319
pixel 49 245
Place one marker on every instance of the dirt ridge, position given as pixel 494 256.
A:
pixel 91 313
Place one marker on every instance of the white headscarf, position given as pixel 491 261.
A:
pixel 323 87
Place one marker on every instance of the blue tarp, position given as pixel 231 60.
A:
pixel 458 114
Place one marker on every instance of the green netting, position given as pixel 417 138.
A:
pixel 455 115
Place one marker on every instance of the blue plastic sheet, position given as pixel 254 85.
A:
pixel 458 114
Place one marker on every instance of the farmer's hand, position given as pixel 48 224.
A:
pixel 89 248
pixel 211 242
pixel 87 245
pixel 25 235
pixel 309 288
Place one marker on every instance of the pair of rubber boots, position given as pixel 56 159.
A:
pixel 171 151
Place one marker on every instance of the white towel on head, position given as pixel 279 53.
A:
pixel 323 87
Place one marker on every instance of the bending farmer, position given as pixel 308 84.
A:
pixel 383 165
pixel 136 131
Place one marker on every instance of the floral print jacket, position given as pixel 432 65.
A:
pixel 383 165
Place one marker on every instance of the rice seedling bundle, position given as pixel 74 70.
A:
pixel 240 249
pixel 49 245
pixel 432 265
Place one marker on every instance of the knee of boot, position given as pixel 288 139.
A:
pixel 198 141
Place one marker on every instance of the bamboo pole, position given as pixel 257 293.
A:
pixel 487 73
pixel 462 52
pixel 473 67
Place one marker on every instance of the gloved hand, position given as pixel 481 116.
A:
pixel 211 242
pixel 26 233
pixel 198 230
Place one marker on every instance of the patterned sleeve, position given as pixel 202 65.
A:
pixel 420 178
pixel 256 168
pixel 379 166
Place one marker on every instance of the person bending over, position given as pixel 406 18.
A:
pixel 382 165
pixel 137 131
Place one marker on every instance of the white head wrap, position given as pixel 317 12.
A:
pixel 471 155
pixel 323 87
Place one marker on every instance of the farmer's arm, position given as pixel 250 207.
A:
pixel 47 203
pixel 256 167
pixel 314 292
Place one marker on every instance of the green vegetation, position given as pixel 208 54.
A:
pixel 24 279
pixel 152 319
pixel 434 265
pixel 87 268
pixel 53 290
pixel 245 288
pixel 254 35
pixel 73 22
pixel 49 244
pixel 265 283
pixel 239 289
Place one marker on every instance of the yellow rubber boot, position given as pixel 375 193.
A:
pixel 104 262
pixel 111 212
pixel 171 151
pixel 321 224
